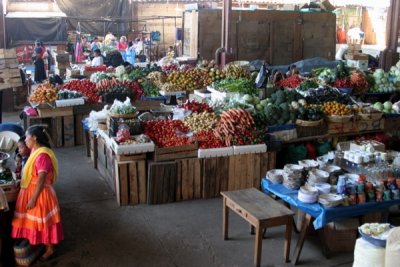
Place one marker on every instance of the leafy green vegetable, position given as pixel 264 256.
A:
pixel 242 86
pixel 149 88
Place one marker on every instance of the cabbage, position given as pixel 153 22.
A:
pixel 119 71
pixel 378 106
pixel 387 105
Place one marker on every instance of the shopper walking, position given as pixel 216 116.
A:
pixel 37 213
pixel 40 71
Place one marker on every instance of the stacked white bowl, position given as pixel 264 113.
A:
pixel 308 194
pixel 309 164
pixel 293 176
pixel 275 176
pixel 317 176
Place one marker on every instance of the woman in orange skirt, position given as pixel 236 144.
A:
pixel 37 213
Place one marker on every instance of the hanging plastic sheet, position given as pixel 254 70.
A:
pixel 27 30
pixel 101 12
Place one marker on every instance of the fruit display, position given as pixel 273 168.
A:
pixel 233 71
pixel 236 127
pixel 85 87
pixel 44 93
pixel 167 133
pixel 204 121
pixel 190 79
pixel 395 74
pixel 170 87
pixel 335 108
pixel 158 78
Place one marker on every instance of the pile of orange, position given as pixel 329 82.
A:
pixel 335 108
pixel 44 93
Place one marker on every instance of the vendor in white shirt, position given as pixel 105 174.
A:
pixel 98 58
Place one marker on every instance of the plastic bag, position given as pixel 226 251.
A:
pixel 262 76
pixel 123 133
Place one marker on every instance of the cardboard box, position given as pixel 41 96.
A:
pixel 357 145
pixel 356 57
pixel 341 236
pixel 359 64
pixel 342 127
pixel 371 125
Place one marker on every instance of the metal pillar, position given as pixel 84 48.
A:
pixel 220 54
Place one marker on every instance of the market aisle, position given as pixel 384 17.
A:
pixel 185 234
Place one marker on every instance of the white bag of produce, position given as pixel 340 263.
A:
pixel 393 248
pixel 368 255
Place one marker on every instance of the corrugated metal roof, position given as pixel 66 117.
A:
pixel 367 3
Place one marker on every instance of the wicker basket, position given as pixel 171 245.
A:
pixel 370 116
pixel 340 119
pixel 309 123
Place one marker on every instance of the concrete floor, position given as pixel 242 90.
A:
pixel 99 233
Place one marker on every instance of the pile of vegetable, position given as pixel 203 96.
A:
pixel 236 127
pixel 207 139
pixel 191 79
pixel 204 121
pixel 85 87
pixel 327 94
pixel 94 68
pixel 359 82
pixel 291 82
pixel 167 133
pixel 382 83
pixel 195 106
pixel 241 86
pixel 68 94
pixel 310 113
pixel 307 84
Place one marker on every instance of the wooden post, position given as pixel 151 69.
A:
pixel 389 55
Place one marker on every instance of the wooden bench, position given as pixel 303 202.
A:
pixel 261 211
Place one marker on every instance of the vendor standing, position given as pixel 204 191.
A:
pixel 122 46
pixel 98 58
pixel 38 61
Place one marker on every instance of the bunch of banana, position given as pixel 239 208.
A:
pixel 235 72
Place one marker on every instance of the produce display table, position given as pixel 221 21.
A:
pixel 321 214
pixel 179 179
pixel 261 212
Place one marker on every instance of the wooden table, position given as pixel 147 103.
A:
pixel 261 211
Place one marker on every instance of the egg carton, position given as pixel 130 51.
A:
pixel 132 148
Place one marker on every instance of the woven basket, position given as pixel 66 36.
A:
pixel 370 116
pixel 309 123
pixel 340 119
pixel 25 253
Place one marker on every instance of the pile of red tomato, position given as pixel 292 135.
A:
pixel 167 133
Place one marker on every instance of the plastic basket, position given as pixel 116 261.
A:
pixel 372 240
pixel 278 128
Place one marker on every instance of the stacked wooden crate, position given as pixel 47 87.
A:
pixel 10 76
pixel 62 63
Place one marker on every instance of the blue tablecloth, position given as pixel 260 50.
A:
pixel 322 214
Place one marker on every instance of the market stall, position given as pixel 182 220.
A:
pixel 227 129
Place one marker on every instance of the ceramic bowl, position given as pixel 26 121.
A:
pixel 275 176
pixel 318 176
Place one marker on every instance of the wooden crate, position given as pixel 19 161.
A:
pixel 8 53
pixel 54 112
pixel 215 176
pixel 11 63
pixel 147 105
pixel 189 179
pixel 162 178
pixel 340 128
pixel 173 153
pixel 93 148
pixel 20 96
pixel 392 125
pixel 371 125
pixel 137 181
